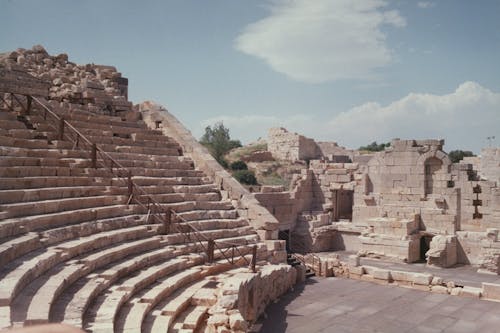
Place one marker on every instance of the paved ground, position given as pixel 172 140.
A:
pixel 342 305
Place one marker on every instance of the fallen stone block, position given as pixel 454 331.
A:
pixel 421 278
pixel 470 292
pixel 439 289
pixel 491 291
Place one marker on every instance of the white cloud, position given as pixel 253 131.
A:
pixel 425 4
pixel 464 118
pixel 322 40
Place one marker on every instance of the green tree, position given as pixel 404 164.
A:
pixel 218 141
pixel 375 147
pixel 458 155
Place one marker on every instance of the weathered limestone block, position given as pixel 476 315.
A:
pixel 491 291
pixel 443 251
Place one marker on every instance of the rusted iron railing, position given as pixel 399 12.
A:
pixel 299 252
pixel 98 157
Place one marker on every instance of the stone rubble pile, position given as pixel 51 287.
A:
pixel 101 88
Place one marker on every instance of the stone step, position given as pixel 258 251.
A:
pixel 12 161
pixel 68 232
pixel 166 189
pixel 11 124
pixel 22 225
pixel 101 138
pixel 130 319
pixel 190 319
pixel 44 153
pixel 29 171
pixel 58 205
pixel 52 181
pixel 163 181
pixel 91 287
pixel 62 277
pixel 13 248
pixel 165 315
pixel 161 173
pixel 7 115
pixel 104 278
pixel 20 272
pixel 178 163
pixel 24 143
pixel 102 318
pixel 51 193
pixel 183 202
pixel 124 156
pixel 208 214
pixel 212 224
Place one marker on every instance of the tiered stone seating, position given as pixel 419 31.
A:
pixel 74 249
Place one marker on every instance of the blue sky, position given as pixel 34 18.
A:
pixel 337 70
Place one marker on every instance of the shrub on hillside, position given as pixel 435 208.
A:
pixel 238 165
pixel 245 177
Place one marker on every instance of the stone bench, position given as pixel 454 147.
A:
pixel 128 156
pixel 29 208
pixel 104 278
pixel 51 181
pixel 51 193
pixel 112 301
pixel 208 214
pixel 140 305
pixel 93 135
pixel 162 181
pixel 40 305
pixel 43 153
pixel 28 171
pixel 22 225
pixel 11 249
pixel 22 271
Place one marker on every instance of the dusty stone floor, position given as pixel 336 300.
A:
pixel 343 305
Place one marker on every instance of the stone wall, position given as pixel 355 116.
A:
pixel 285 145
pixel 490 164
pixel 244 296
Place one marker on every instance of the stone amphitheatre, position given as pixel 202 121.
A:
pixel 115 219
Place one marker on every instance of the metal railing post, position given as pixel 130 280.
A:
pixel 210 250
pixel 93 156
pixel 167 222
pixel 60 129
pixel 254 258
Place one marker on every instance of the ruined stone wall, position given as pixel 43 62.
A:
pixel 286 205
pixel 490 164
pixel 335 153
pixel 102 89
pixel 411 177
pixel 284 145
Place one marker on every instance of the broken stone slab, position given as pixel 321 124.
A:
pixel 491 291
pixel 421 278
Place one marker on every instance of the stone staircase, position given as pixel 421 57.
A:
pixel 74 248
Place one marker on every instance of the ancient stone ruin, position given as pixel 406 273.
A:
pixel 408 203
pixel 113 217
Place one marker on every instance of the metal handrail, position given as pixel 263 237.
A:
pixel 158 211
pixel 301 254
